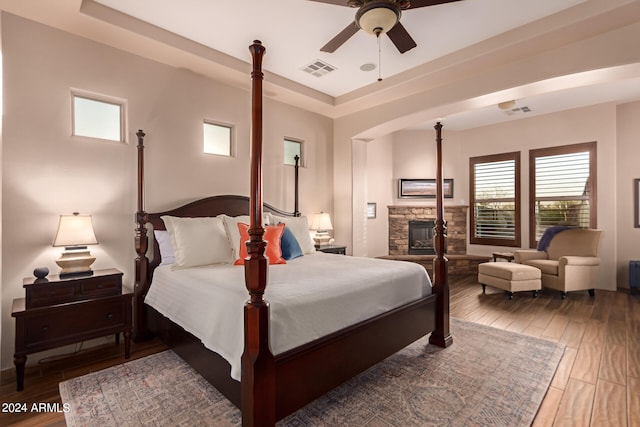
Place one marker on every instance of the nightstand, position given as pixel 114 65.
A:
pixel 333 249
pixel 64 310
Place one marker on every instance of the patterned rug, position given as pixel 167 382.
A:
pixel 488 377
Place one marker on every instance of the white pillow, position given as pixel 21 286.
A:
pixel 299 226
pixel 231 227
pixel 198 241
pixel 167 256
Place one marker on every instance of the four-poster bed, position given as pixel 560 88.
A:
pixel 273 386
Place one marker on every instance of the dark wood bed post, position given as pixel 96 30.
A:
pixel 296 209
pixel 140 332
pixel 441 336
pixel 258 364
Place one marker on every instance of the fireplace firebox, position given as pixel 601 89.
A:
pixel 421 238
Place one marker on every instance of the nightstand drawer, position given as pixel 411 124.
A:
pixel 101 286
pixel 51 295
pixel 60 290
pixel 74 321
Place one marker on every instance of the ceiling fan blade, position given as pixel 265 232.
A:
pixel 401 38
pixel 336 2
pixel 421 3
pixel 339 40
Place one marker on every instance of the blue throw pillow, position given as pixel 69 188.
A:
pixel 289 245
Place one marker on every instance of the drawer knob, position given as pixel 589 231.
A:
pixel 110 316
pixel 99 286
pixel 45 328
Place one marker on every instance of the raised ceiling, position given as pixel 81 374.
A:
pixel 212 38
pixel 295 30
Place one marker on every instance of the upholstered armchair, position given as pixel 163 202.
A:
pixel 570 262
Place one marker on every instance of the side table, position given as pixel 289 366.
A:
pixel 503 255
pixel 333 249
pixel 80 308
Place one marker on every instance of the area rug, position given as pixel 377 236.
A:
pixel 488 377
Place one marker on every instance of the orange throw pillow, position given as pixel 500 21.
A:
pixel 272 235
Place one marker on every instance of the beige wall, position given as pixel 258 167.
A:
pixel 380 190
pixel 414 156
pixel 45 172
pixel 627 169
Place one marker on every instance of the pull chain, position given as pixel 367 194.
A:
pixel 379 58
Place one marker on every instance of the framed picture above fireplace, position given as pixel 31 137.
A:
pixel 423 188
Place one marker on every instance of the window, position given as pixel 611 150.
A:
pixel 217 139
pixel 562 188
pixel 98 116
pixel 292 148
pixel 495 199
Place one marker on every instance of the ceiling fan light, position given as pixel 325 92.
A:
pixel 507 105
pixel 378 17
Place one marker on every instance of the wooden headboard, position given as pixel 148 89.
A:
pixel 208 207
pixel 231 205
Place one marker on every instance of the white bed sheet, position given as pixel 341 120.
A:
pixel 310 297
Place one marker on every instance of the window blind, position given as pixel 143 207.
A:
pixel 494 201
pixel 562 191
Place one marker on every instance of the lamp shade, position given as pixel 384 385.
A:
pixel 377 17
pixel 75 230
pixel 321 221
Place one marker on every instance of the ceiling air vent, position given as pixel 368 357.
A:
pixel 513 111
pixel 318 68
pixel 524 109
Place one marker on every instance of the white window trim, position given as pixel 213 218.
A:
pixel 303 155
pixel 123 103
pixel 232 137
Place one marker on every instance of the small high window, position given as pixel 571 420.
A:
pixel 292 148
pixel 98 116
pixel 217 139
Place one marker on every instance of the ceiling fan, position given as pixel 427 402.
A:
pixel 378 17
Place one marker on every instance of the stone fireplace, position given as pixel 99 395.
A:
pixel 401 232
pixel 401 216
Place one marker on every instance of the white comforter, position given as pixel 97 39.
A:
pixel 310 297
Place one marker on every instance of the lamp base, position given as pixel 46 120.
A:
pixel 75 262
pixel 322 238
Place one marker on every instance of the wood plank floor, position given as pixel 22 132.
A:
pixel 597 382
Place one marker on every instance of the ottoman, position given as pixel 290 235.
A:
pixel 510 277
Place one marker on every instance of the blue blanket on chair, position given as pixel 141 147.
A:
pixel 548 234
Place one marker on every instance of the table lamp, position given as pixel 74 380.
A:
pixel 321 223
pixel 75 232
